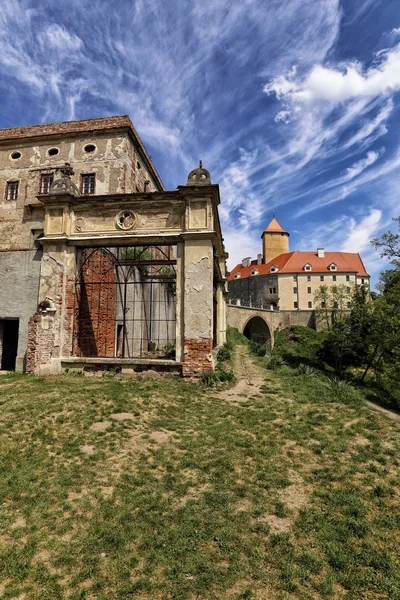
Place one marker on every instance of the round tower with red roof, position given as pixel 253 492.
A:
pixel 275 241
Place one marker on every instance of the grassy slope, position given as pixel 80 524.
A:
pixel 278 496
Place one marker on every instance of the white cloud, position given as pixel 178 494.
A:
pixel 359 234
pixel 337 85
pixel 59 38
pixel 358 167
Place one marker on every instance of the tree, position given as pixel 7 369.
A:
pixel 389 245
pixel 332 303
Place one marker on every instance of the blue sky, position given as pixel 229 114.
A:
pixel 293 106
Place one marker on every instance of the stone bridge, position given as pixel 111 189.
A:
pixel 260 324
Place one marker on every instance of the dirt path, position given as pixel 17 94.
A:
pixel 388 413
pixel 249 374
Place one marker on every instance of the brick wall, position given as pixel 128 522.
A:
pixel 198 355
pixel 96 311
pixel 40 342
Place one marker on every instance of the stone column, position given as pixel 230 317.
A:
pixel 221 314
pixel 198 306
pixel 50 329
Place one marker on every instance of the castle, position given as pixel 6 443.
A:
pixel 282 280
pixel 100 266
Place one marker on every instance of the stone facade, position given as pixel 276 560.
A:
pixel 125 205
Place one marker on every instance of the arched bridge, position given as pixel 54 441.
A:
pixel 261 325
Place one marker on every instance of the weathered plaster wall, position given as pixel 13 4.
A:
pixel 19 284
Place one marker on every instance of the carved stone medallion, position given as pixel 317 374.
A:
pixel 126 220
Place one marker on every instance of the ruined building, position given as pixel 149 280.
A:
pixel 100 266
pixel 282 280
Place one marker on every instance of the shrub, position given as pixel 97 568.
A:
pixel 223 373
pixel 303 369
pixel 341 391
pixel 224 353
pixel 275 362
pixel 258 349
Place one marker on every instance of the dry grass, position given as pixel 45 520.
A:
pixel 260 491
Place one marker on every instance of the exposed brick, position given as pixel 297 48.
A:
pixel 197 357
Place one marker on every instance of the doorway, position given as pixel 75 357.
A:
pixel 9 329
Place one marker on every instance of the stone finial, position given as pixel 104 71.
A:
pixel 199 176
pixel 64 185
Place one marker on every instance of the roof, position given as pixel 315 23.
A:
pixel 293 262
pixel 83 126
pixel 275 227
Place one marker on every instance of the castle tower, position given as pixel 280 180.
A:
pixel 275 241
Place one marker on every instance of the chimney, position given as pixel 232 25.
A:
pixel 246 262
pixel 259 259
pixel 321 252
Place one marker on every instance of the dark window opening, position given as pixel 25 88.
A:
pixel 295 290
pixel 321 277
pixel 310 305
pixel 12 190
pixel 138 165
pixel 295 304
pixel 334 277
pixel 89 148
pixel 16 155
pixel 347 277
pixel 45 183
pixel 308 290
pixel 53 151
pixel 88 183
pixel 9 343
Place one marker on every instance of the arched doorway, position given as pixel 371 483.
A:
pixel 258 331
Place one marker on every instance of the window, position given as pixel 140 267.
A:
pixel 272 290
pixel 53 151
pixel 45 183
pixel 332 267
pixel 295 305
pixel 322 277
pixel 88 183
pixel 294 277
pixel 89 148
pixel 310 305
pixel 307 267
pixel 16 155
pixel 334 277
pixel 273 269
pixel 347 277
pixel 308 290
pixel 348 290
pixel 295 290
pixel 236 275
pixel 363 280
pixel 308 277
pixel 12 190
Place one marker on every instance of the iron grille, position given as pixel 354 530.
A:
pixel 126 302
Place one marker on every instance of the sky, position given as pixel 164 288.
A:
pixel 293 105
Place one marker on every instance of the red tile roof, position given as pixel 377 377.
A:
pixel 275 227
pixel 293 262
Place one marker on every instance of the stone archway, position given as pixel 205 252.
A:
pixel 257 330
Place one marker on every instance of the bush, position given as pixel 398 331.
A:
pixel 234 337
pixel 220 375
pixel 224 353
pixel 341 391
pixel 258 349
pixel 303 369
pixel 275 362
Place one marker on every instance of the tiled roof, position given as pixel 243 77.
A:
pixel 275 227
pixel 293 262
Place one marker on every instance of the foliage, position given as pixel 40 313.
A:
pixel 221 374
pixel 307 370
pixel 275 362
pixel 389 245
pixel 224 353
pixel 341 391
pixel 234 337
pixel 258 349
pixel 332 303
pixel 299 345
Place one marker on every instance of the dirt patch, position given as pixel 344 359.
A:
pixel 360 440
pixel 296 495
pixel 244 505
pixel 19 523
pixel 160 436
pixel 88 449
pixel 101 426
pixel 250 378
pixel 351 423
pixel 122 416
pixel 277 524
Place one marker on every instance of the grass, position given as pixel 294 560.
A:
pixel 276 495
